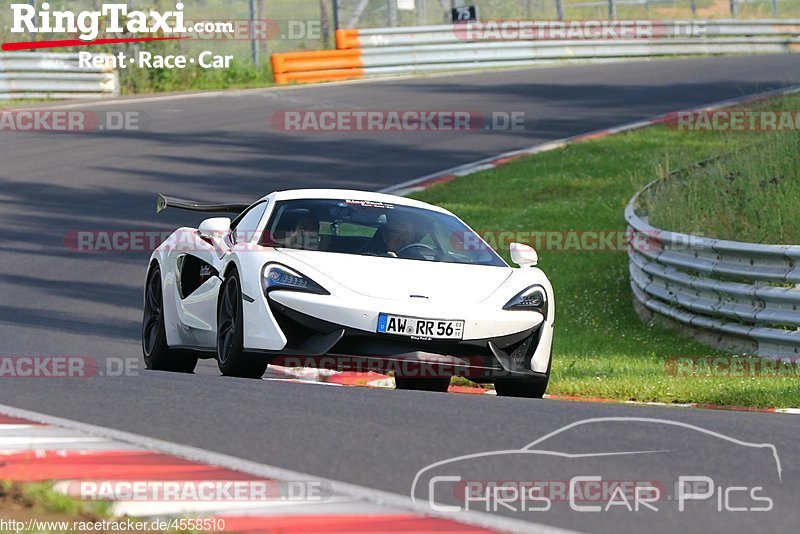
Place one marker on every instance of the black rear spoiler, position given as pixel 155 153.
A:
pixel 165 202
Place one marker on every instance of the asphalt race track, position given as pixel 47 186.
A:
pixel 56 301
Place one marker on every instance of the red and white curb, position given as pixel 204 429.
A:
pixel 695 405
pixel 74 456
pixel 420 184
pixel 376 380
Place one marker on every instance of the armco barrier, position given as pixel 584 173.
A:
pixel 60 76
pixel 387 51
pixel 741 292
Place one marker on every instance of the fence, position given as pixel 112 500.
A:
pixel 397 13
pixel 384 51
pixel 27 75
pixel 741 292
pixel 267 26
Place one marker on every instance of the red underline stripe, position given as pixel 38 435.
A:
pixel 34 45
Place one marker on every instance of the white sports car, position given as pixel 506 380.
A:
pixel 347 280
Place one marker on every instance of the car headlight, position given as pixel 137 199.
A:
pixel 277 276
pixel 533 298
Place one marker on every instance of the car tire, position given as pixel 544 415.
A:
pixel 521 387
pixel 157 354
pixel 439 384
pixel 231 356
pixel 528 388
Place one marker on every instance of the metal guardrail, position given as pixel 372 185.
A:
pixel 26 75
pixel 741 291
pixel 514 31
pixel 386 51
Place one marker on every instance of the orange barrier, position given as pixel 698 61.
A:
pixel 317 66
pixel 320 76
pixel 347 39
pixel 372 52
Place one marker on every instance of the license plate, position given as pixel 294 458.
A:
pixel 422 328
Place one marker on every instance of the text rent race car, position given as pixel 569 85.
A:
pixel 347 280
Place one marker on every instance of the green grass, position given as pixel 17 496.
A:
pixel 240 75
pixel 19 103
pixel 43 502
pixel 46 500
pixel 752 195
pixel 602 348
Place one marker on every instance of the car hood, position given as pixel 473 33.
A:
pixel 399 279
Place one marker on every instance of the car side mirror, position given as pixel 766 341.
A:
pixel 524 255
pixel 215 227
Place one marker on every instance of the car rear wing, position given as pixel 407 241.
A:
pixel 165 202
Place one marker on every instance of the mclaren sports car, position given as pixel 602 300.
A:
pixel 347 280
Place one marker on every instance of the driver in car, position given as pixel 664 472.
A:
pixel 391 238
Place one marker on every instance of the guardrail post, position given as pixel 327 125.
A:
pixel 391 13
pixel 774 8
pixel 335 9
pixel 612 9
pixel 253 39
pixel 735 8
pixel 560 9
pixel 420 8
pixel 694 8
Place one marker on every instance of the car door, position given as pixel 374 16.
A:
pixel 198 276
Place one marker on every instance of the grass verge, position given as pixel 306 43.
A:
pixel 240 75
pixel 21 103
pixel 49 509
pixel 602 348
pixel 751 195
pixel 38 509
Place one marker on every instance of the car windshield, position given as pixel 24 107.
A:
pixel 369 228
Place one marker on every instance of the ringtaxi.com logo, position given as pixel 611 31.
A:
pixel 71 121
pixel 117 18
